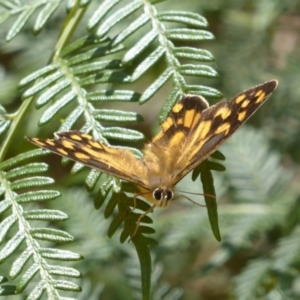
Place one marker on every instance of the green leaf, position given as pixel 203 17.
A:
pixel 20 22
pixel 10 247
pixel 91 67
pixel 114 115
pixel 128 31
pixel 118 16
pixel 198 70
pixel 4 120
pixel 101 12
pixel 71 119
pixel 58 254
pixel 193 53
pixel 38 291
pixel 35 181
pixel 42 84
pixel 37 74
pixel 120 133
pixel 63 271
pixel 156 85
pixel 40 195
pixel 21 157
pixel 147 63
pixel 52 235
pixel 19 264
pixel 185 34
pixel 51 92
pixel 31 168
pixel 113 95
pixel 203 91
pixel 45 15
pixel 168 105
pixel 139 47
pixel 27 277
pixel 146 265
pixel 7 290
pixel 92 179
pixel 210 198
pixel 66 285
pixel 187 18
pixel 50 112
pixel 45 214
pixel 5 225
pixel 4 205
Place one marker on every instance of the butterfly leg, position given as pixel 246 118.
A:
pixel 150 210
pixel 134 200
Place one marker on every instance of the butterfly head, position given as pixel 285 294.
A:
pixel 162 196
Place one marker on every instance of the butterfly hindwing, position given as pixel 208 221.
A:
pixel 83 148
pixel 184 117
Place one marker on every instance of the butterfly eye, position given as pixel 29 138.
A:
pixel 169 194
pixel 158 194
pixel 162 194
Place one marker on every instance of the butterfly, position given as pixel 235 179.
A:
pixel 189 135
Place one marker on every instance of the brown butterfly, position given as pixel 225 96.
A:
pixel 191 133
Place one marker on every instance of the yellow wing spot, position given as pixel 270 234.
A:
pixel 258 93
pixel 223 128
pixel 62 151
pixel 242 115
pixel 204 128
pixel 191 118
pixel 245 103
pixel 240 98
pixel 177 108
pixel 224 112
pixel 176 139
pixel 261 96
pixel 96 145
pixel 167 124
pixel 180 121
pixel 75 137
pixel 87 136
pixel 81 156
pixel 90 151
pixel 38 142
pixel 50 142
pixel 67 144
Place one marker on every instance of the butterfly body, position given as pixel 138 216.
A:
pixel 191 133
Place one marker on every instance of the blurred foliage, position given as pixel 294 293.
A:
pixel 258 194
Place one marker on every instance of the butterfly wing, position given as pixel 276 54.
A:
pixel 83 148
pixel 194 131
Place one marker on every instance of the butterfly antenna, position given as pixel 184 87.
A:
pixel 198 194
pixel 189 199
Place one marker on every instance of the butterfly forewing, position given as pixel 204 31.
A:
pixel 83 148
pixel 218 123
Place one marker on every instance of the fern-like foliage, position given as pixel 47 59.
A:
pixel 273 275
pixel 164 48
pixel 159 288
pixel 4 120
pixel 23 10
pixel 17 191
pixel 126 40
pixel 67 87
